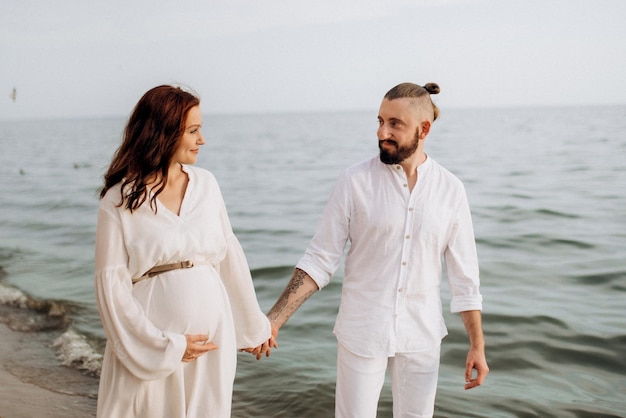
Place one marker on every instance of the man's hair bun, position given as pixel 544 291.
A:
pixel 432 88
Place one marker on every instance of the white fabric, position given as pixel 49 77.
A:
pixel 359 382
pixel 414 379
pixel 391 291
pixel 142 372
pixel 413 383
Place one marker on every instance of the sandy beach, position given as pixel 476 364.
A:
pixel 22 397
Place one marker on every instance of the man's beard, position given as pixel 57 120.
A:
pixel 401 153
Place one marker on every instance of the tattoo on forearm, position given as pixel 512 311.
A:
pixel 296 281
pixel 287 304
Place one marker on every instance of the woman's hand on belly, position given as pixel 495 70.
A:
pixel 197 345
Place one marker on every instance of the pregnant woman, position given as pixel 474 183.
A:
pixel 172 283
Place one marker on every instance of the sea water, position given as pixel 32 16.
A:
pixel 547 187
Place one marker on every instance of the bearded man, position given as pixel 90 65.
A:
pixel 402 214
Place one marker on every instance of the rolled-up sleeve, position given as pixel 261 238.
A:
pixel 462 262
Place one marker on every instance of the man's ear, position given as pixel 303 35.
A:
pixel 425 129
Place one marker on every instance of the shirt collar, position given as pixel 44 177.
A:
pixel 421 169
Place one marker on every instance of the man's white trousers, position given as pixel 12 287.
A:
pixel 360 381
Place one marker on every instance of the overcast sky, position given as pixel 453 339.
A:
pixel 80 58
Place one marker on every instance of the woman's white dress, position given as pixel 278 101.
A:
pixel 142 372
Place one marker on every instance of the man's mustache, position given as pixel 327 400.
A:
pixel 388 142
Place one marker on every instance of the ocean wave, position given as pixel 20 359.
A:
pixel 513 213
pixel 533 241
pixel 546 343
pixel 23 313
pixel 74 350
pixel 618 277
pixel 556 213
pixel 12 296
pixel 273 271
pixel 26 314
pixel 517 320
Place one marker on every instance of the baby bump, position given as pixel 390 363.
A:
pixel 190 301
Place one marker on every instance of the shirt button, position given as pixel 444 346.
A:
pixel 398 167
pixel 405 185
pixel 404 263
pixel 407 236
pixel 410 209
pixel 400 290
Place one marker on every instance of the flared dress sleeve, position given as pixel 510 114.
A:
pixel 146 351
pixel 252 327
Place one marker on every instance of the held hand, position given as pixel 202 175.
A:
pixel 272 341
pixel 197 345
pixel 266 347
pixel 475 361
pixel 259 350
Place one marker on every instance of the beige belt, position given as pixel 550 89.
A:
pixel 185 264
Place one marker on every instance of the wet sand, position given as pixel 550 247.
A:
pixel 26 395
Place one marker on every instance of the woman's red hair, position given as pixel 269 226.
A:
pixel 151 136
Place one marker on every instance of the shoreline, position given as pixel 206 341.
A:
pixel 21 396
